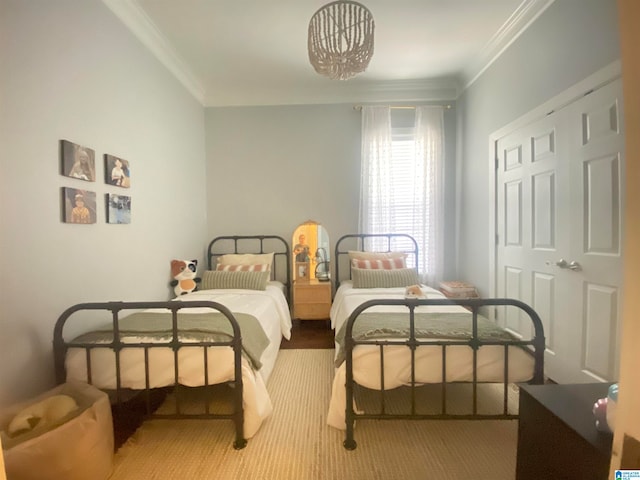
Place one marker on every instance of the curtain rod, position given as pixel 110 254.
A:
pixel 410 107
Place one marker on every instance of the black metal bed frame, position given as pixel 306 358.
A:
pixel 60 348
pixel 535 346
pixel 121 395
pixel 412 342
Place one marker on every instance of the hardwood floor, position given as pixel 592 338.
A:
pixel 309 334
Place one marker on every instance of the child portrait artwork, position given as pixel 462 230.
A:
pixel 118 208
pixel 79 205
pixel 77 161
pixel 117 171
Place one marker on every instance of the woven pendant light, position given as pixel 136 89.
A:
pixel 340 39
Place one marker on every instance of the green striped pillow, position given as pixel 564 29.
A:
pixel 367 278
pixel 221 279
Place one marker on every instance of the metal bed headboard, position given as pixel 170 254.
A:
pixel 281 268
pixel 372 242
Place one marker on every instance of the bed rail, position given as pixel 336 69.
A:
pixel 535 346
pixel 61 346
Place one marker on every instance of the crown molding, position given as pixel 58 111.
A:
pixel 138 22
pixel 520 20
pixel 134 17
pixel 442 88
pixel 427 90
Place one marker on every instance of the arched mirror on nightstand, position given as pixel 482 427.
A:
pixel 311 272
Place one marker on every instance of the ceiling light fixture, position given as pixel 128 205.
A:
pixel 340 39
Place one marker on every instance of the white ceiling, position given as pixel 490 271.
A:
pixel 254 52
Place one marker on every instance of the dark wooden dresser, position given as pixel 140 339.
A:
pixel 557 436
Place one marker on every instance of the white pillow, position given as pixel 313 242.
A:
pixel 258 267
pixel 357 255
pixel 246 259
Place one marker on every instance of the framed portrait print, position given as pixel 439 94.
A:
pixel 79 206
pixel 77 161
pixel 302 272
pixel 117 171
pixel 118 208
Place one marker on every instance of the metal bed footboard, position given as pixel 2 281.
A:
pixel 535 346
pixel 61 346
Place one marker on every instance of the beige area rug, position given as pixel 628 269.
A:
pixel 296 443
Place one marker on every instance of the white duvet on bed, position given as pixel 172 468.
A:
pixel 397 359
pixel 269 307
pixel 348 298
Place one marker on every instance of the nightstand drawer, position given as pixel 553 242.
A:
pixel 313 293
pixel 312 300
pixel 312 311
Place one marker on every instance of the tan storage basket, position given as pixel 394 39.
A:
pixel 79 448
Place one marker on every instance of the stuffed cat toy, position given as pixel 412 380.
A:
pixel 184 276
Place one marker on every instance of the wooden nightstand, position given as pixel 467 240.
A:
pixel 311 300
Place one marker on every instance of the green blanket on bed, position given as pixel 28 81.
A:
pixel 212 326
pixel 394 325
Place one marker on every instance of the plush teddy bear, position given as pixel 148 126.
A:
pixel 184 276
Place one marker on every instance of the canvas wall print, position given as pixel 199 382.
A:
pixel 118 208
pixel 117 171
pixel 77 161
pixel 79 205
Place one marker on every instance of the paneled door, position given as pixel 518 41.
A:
pixel 559 231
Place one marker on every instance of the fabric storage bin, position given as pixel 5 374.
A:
pixel 79 448
pixel 3 475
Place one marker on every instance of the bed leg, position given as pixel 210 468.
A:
pixel 349 443
pixel 240 443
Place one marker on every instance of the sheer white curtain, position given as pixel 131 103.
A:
pixel 401 187
pixel 375 185
pixel 429 143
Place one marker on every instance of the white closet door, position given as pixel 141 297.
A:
pixel 558 183
pixel 596 164
pixel 531 213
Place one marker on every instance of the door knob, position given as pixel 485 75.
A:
pixel 575 266
pixel 562 263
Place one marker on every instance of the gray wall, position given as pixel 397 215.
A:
pixel 71 70
pixel 272 168
pixel 569 41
